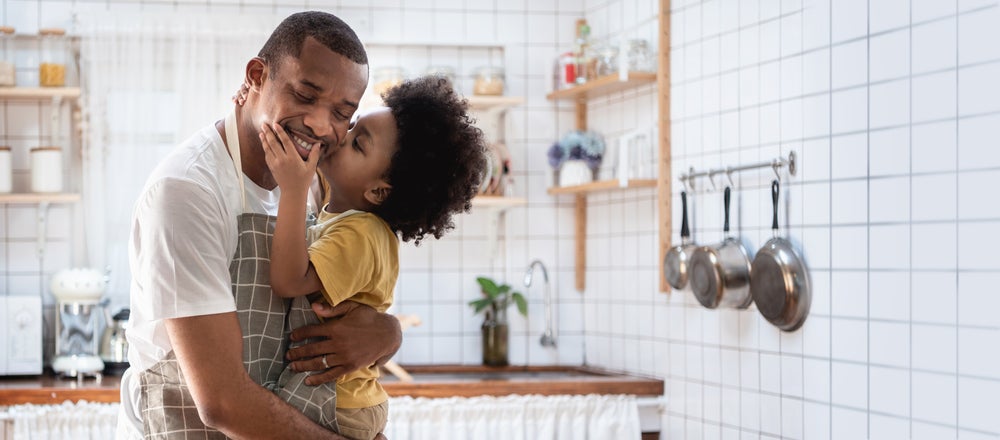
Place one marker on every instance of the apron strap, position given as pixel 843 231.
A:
pixel 233 143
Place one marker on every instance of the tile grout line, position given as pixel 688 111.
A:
pixel 868 219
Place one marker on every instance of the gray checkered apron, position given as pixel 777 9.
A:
pixel 168 410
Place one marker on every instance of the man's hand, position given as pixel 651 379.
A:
pixel 355 336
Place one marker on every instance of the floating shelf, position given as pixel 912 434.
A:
pixel 603 86
pixel 603 185
pixel 499 202
pixel 35 198
pixel 39 92
pixel 477 102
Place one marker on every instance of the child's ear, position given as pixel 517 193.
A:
pixel 377 195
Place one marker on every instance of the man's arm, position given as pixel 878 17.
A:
pixel 356 336
pixel 210 352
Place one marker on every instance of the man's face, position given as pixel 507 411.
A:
pixel 312 96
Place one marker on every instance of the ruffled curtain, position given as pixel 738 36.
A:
pixel 79 421
pixel 149 81
pixel 514 418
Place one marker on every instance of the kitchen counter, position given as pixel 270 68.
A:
pixel 48 388
pixel 429 381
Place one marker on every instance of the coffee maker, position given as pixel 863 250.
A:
pixel 78 295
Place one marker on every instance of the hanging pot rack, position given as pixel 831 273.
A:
pixel 688 179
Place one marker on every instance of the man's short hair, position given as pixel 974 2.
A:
pixel 330 31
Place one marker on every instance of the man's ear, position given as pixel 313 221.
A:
pixel 256 73
pixel 377 195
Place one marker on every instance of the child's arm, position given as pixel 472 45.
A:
pixel 291 273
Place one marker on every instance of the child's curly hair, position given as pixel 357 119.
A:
pixel 439 164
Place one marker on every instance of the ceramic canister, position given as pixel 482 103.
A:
pixel 5 170
pixel 46 169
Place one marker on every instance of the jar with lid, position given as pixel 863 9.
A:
pixel 52 69
pixel 6 176
pixel 639 59
pixel 386 78
pixel 607 59
pixel 7 72
pixel 446 72
pixel 489 81
pixel 46 169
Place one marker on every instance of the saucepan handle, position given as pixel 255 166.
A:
pixel 685 232
pixel 774 202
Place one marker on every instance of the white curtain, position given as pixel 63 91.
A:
pixel 593 417
pixel 79 421
pixel 149 81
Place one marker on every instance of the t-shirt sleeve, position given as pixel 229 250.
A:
pixel 344 259
pixel 180 261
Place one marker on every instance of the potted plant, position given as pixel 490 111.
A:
pixel 496 299
pixel 576 157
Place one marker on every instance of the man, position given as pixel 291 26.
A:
pixel 206 331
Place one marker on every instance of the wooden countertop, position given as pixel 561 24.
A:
pixel 429 381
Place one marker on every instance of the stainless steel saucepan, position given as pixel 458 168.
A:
pixel 720 275
pixel 675 263
pixel 779 280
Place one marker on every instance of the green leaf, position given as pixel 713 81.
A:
pixel 488 286
pixel 504 288
pixel 481 304
pixel 522 305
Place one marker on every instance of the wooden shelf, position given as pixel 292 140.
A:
pixel 603 86
pixel 35 198
pixel 493 102
pixel 39 92
pixel 598 87
pixel 499 202
pixel 603 185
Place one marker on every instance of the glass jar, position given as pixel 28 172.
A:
pixel 639 59
pixel 6 176
pixel 46 169
pixel 8 75
pixel 446 72
pixel 386 78
pixel 52 69
pixel 607 59
pixel 565 71
pixel 489 81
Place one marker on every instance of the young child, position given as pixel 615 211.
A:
pixel 401 173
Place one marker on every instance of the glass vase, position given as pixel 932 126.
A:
pixel 495 338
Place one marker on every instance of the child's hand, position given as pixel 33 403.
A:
pixel 291 173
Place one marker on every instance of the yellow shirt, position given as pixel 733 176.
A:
pixel 356 256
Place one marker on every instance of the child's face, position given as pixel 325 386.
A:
pixel 357 168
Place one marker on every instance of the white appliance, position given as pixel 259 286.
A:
pixel 20 335
pixel 78 293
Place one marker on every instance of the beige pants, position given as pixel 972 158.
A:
pixel 363 423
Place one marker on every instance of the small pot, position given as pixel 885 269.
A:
pixel 675 263
pixel 720 275
pixel 779 282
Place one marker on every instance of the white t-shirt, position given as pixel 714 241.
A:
pixel 184 235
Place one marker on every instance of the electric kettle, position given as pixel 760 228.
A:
pixel 114 346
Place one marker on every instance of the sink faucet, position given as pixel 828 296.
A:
pixel 548 337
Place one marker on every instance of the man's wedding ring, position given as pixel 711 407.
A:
pixel 323 358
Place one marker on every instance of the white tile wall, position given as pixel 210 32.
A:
pixel 887 204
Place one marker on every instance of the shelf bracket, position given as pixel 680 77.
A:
pixel 580 212
pixel 43 212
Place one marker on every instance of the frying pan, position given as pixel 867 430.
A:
pixel 779 280
pixel 675 263
pixel 720 275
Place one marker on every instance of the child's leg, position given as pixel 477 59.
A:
pixel 363 423
pixel 319 403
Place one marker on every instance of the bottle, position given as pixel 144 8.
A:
pixel 8 76
pixel 52 69
pixel 582 51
